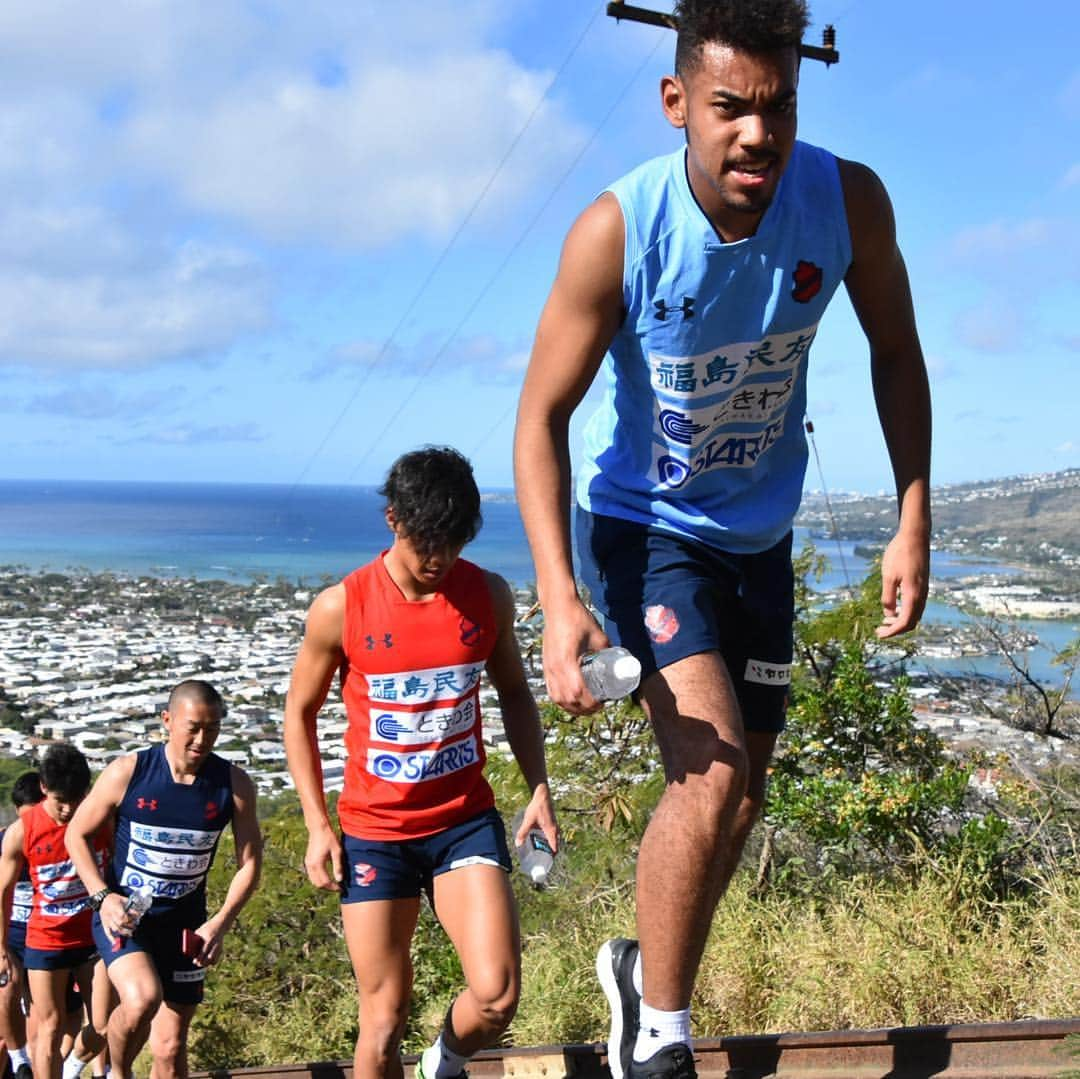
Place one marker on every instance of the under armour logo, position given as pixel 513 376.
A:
pixel 686 307
pixel 653 1032
pixel 147 803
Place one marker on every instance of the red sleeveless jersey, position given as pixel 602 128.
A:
pixel 60 918
pixel 411 687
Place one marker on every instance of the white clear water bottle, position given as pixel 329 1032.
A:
pixel 535 854
pixel 611 673
pixel 139 901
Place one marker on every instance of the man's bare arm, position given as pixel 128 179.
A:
pixel 580 318
pixel 96 811
pixel 248 841
pixel 318 660
pixel 520 717
pixel 12 861
pixel 877 283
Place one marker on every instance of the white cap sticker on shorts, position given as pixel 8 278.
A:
pixel 767 674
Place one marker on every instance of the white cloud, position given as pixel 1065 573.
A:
pixel 193 301
pixel 1071 177
pixel 1003 238
pixel 991 327
pixel 100 402
pixel 433 355
pixel 393 152
pixel 132 128
pixel 353 124
pixel 201 435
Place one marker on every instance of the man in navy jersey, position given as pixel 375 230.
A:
pixel 703 275
pixel 168 805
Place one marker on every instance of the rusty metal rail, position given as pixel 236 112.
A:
pixel 1025 1050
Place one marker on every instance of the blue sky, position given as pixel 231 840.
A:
pixel 263 241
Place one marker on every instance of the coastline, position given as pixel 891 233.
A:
pixel 90 658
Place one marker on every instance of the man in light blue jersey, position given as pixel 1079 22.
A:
pixel 702 276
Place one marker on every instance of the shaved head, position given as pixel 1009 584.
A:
pixel 198 692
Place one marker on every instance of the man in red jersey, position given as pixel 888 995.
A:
pixel 411 633
pixel 14 998
pixel 59 942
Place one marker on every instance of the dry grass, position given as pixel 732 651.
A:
pixel 872 954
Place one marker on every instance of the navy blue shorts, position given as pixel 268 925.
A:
pixel 665 597
pixel 61 959
pixel 181 980
pixel 386 869
pixel 17 942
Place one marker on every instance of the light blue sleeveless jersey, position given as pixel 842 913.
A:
pixel 700 428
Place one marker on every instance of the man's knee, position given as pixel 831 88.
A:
pixel 726 778
pixel 50 1023
pixel 139 1003
pixel 496 996
pixel 168 1048
pixel 382 1025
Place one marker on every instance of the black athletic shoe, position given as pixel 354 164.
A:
pixel 671 1062
pixel 24 1071
pixel 615 969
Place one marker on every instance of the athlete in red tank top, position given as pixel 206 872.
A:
pixel 410 634
pixel 59 944
pixel 411 687
pixel 60 917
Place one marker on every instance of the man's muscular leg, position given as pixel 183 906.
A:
pixel 138 988
pixel 378 935
pixel 168 1040
pixel 696 833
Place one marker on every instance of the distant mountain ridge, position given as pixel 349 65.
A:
pixel 1034 519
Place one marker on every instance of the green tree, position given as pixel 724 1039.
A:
pixel 856 781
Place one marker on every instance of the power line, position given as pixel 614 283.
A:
pixel 828 504
pixel 383 351
pixel 502 266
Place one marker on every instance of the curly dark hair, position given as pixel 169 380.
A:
pixel 434 498
pixel 26 790
pixel 748 25
pixel 65 773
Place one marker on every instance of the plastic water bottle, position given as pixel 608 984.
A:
pixel 138 902
pixel 535 854
pixel 611 673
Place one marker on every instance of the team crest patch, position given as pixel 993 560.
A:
pixel 470 632
pixel 365 874
pixel 662 623
pixel 808 278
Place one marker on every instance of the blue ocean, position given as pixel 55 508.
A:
pixel 242 532
pixel 221 531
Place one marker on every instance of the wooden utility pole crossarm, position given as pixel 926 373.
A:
pixel 825 52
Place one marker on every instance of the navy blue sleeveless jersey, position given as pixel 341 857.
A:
pixel 167 833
